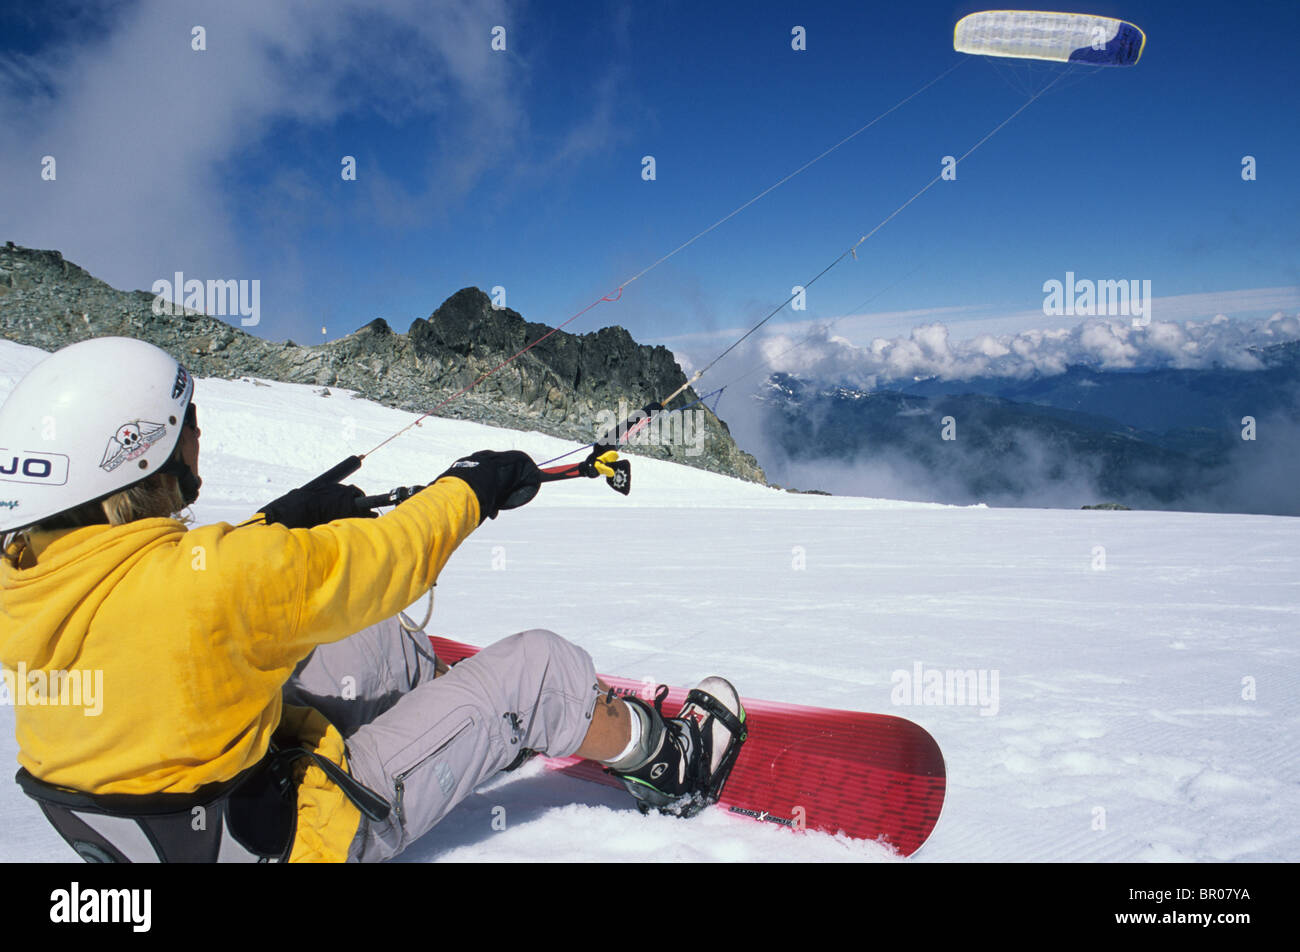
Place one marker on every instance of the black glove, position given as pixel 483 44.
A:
pixel 499 480
pixel 315 506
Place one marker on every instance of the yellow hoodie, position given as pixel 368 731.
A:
pixel 180 643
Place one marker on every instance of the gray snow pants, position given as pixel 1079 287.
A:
pixel 425 745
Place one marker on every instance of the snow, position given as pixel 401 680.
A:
pixel 1139 669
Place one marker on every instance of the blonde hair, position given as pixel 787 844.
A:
pixel 158 496
pixel 155 497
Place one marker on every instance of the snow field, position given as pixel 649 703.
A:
pixel 1138 669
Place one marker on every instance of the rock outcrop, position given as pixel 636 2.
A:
pixel 567 385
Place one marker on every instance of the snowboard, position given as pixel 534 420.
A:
pixel 868 776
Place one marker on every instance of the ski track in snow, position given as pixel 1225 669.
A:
pixel 1144 711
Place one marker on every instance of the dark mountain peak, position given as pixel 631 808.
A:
pixel 566 385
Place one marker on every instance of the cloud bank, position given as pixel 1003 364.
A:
pixel 1100 343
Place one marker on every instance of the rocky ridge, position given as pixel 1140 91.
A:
pixel 565 386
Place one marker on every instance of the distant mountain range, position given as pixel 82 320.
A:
pixel 1215 439
pixel 1211 440
pixel 1155 401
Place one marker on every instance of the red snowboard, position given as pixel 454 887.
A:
pixel 870 776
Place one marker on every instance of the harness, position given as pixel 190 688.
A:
pixel 251 818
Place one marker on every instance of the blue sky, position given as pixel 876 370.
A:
pixel 523 169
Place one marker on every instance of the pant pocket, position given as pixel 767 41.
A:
pixel 426 776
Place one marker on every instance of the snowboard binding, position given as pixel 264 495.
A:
pixel 693 752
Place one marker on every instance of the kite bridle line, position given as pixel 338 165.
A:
pixel 602 460
pixel 853 251
pixel 618 292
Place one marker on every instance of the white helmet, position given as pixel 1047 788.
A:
pixel 89 421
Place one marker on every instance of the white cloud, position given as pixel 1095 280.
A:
pixel 142 126
pixel 978 321
pixel 1101 343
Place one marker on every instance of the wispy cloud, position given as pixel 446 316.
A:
pixel 143 128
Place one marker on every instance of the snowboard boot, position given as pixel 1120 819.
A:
pixel 691 755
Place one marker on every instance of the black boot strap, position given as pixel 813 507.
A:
pixel 715 708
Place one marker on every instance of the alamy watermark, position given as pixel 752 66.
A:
pixel 1107 298
pixel 87 905
pixel 214 297
pixel 22 688
pixel 663 428
pixel 936 687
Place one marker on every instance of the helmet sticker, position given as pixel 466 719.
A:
pixel 181 388
pixel 130 440
pixel 41 469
